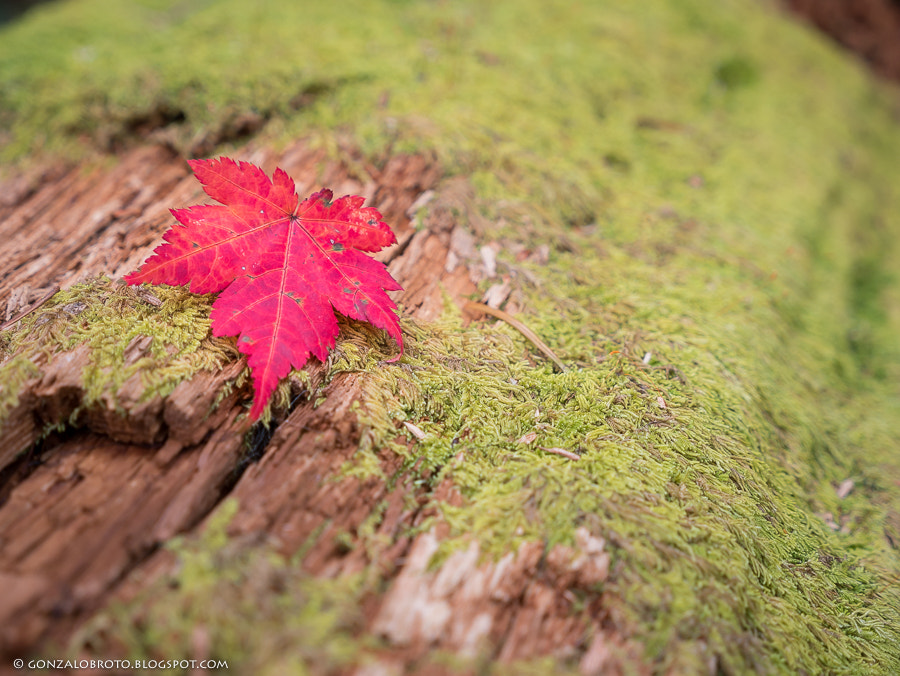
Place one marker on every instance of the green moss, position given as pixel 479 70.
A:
pixel 117 324
pixel 716 188
pixel 257 612
pixel 716 543
pixel 14 373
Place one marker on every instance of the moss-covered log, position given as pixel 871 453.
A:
pixel 693 204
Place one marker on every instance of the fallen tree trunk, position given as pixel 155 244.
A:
pixel 700 481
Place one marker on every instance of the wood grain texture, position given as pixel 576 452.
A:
pixel 84 513
pixel 83 508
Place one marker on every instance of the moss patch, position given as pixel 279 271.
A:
pixel 224 591
pixel 720 552
pixel 161 334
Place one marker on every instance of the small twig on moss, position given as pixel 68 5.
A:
pixel 561 451
pixel 148 297
pixel 31 308
pixel 516 324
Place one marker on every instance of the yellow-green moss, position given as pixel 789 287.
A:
pixel 717 543
pixel 222 592
pixel 14 373
pixel 109 318
pixel 256 612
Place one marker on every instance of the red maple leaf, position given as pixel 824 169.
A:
pixel 284 266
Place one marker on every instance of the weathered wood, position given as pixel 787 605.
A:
pixel 90 507
pixel 90 512
pixel 101 499
pixel 75 224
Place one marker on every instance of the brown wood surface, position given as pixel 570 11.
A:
pixel 82 510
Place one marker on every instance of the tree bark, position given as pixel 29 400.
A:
pixel 84 509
